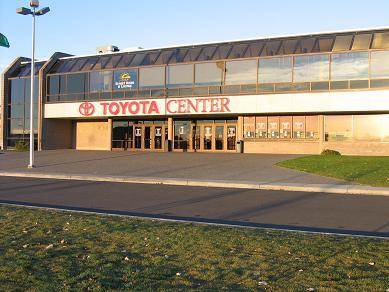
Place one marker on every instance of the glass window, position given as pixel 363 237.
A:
pixel 249 127
pixel 345 66
pixel 381 41
pixel 311 68
pixel 17 91
pixel 179 76
pixel 362 42
pixel 17 111
pixel 374 128
pixel 53 84
pixel 286 127
pixel 16 126
pixel 312 127
pixel 152 77
pixel 100 81
pixel 342 43
pixel 299 127
pixel 208 74
pixel 241 72
pixel 379 64
pixel 261 127
pixel 275 70
pixel 77 83
pixel 338 128
pixel 273 127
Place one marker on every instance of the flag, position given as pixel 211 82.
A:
pixel 3 41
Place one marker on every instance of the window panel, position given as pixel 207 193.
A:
pixel 179 76
pixel 306 46
pixel 164 57
pixel 238 51
pixel 90 63
pixel 178 56
pixel 379 64
pixel 77 83
pixel 101 62
pixel 16 126
pixel 299 127
pixel 275 70
pixel 311 68
pixel 271 49
pixel 241 72
pixel 312 127
pixel 222 52
pixel 17 111
pixel 152 77
pixel 192 55
pixel 345 66
pixel 125 61
pixel 78 65
pixel 325 44
pixel 362 42
pixel 17 91
pixel 338 128
pixel 137 60
pixel 286 127
pixel 261 127
pixel 254 49
pixel 100 81
pixel 373 128
pixel 288 47
pixel 249 127
pixel 207 74
pixel 381 41
pixel 273 128
pixel 206 53
pixel 342 43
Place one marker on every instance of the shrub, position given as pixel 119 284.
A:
pixel 21 145
pixel 330 152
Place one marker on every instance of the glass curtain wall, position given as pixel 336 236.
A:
pixel 19 110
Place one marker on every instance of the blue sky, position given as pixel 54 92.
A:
pixel 77 27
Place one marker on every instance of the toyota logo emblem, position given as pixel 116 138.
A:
pixel 86 109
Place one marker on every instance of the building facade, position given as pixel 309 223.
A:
pixel 291 94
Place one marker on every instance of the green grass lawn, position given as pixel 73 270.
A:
pixel 44 250
pixel 367 170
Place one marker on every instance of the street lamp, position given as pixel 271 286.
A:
pixel 26 11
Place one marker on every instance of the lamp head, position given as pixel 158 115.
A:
pixel 42 11
pixel 23 11
pixel 34 3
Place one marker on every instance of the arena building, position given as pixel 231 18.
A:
pixel 288 94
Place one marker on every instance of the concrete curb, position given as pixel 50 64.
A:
pixel 315 188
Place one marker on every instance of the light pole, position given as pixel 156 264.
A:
pixel 26 11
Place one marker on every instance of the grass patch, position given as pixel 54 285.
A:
pixel 53 250
pixel 369 170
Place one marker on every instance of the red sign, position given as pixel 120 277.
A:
pixel 198 105
pixel 86 109
pixel 130 107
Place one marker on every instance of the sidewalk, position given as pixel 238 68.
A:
pixel 248 171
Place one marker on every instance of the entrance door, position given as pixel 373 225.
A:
pixel 196 138
pixel 231 137
pixel 158 137
pixel 219 137
pixel 147 137
pixel 138 137
pixel 207 137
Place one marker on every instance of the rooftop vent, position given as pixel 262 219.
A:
pixel 107 49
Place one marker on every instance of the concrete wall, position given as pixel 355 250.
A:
pixel 58 134
pixel 359 148
pixel 93 135
pixel 282 147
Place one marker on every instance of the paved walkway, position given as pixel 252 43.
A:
pixel 207 166
pixel 242 171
